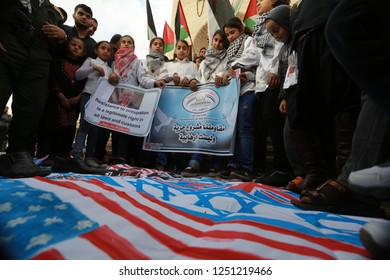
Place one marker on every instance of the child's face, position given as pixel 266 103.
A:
pixel 127 42
pixel 277 31
pixel 157 46
pixel 103 51
pixel 232 33
pixel 75 48
pixel 202 52
pixel 264 6
pixel 197 62
pixel 217 42
pixel 181 50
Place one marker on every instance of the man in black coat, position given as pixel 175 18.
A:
pixel 29 32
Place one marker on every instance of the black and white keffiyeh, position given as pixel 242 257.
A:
pixel 212 61
pixel 236 48
pixel 260 34
pixel 154 61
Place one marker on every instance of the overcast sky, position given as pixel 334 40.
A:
pixel 123 17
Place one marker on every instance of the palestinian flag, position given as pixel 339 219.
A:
pixel 181 27
pixel 251 14
pixel 219 12
pixel 236 4
pixel 169 39
pixel 151 27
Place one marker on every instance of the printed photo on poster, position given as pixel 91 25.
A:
pixel 126 98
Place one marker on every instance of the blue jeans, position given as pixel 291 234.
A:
pixel 243 148
pixel 82 131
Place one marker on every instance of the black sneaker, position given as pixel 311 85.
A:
pixel 277 179
pixel 189 172
pixel 243 174
pixel 225 174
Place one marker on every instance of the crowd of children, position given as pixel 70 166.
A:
pixel 293 89
pixel 261 59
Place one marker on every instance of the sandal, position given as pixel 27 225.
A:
pixel 334 196
pixel 333 191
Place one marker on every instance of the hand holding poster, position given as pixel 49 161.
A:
pixel 122 108
pixel 201 121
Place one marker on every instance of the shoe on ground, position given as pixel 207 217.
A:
pixel 375 236
pixel 374 181
pixel 212 172
pixel 20 165
pixel 75 155
pixel 225 174
pixel 74 165
pixel 101 160
pixel 115 160
pixel 243 174
pixel 159 167
pixel 277 179
pixel 189 172
pixel 258 174
pixel 91 162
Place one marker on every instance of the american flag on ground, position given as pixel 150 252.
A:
pixel 154 215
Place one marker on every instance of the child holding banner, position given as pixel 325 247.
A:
pixel 128 70
pixel 211 70
pixel 155 60
pixel 183 72
pixel 155 69
pixel 92 70
pixel 181 69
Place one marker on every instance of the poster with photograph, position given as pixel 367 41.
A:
pixel 123 108
pixel 201 121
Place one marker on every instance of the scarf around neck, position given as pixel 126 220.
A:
pixel 123 59
pixel 236 48
pixel 212 61
pixel 260 34
pixel 154 61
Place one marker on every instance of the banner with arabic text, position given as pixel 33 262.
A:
pixel 201 121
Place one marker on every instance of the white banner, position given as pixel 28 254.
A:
pixel 123 108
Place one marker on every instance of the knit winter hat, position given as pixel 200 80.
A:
pixel 281 14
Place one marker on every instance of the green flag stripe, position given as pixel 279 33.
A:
pixel 168 48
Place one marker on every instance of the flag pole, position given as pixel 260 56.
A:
pixel 238 8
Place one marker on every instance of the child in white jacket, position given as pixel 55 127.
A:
pixel 212 69
pixel 128 70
